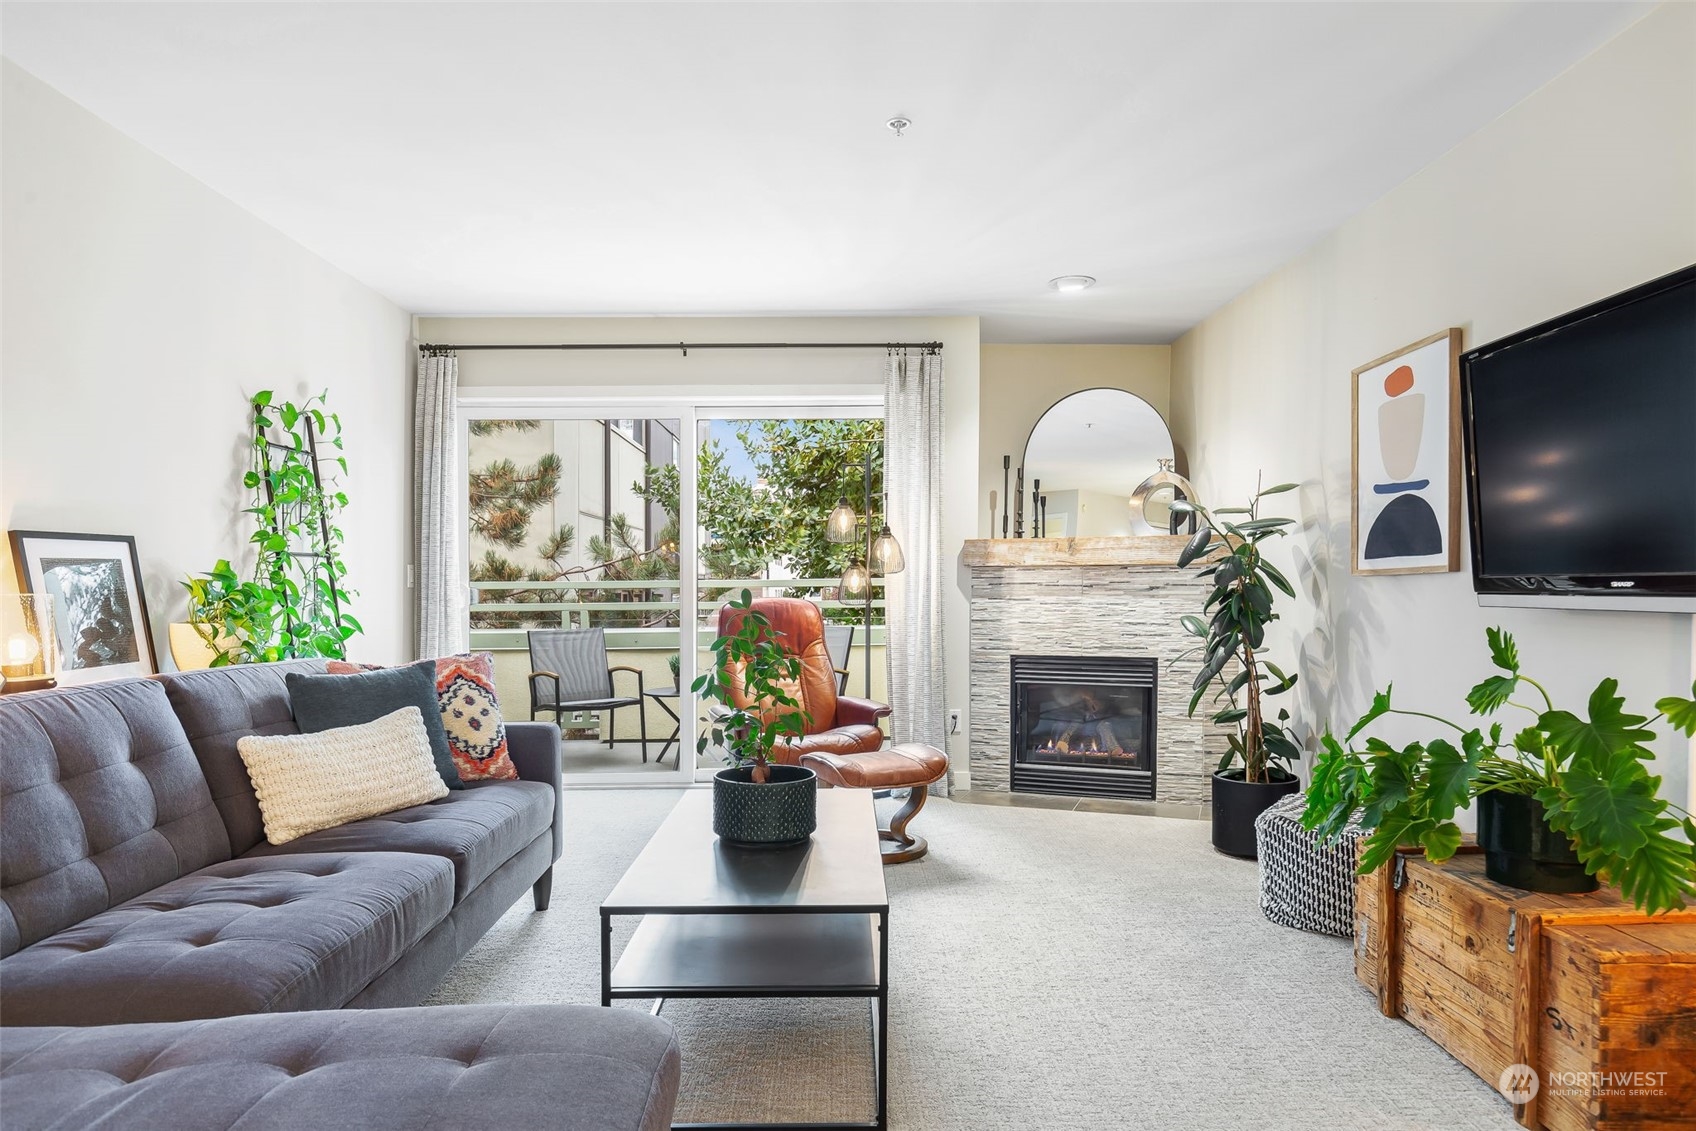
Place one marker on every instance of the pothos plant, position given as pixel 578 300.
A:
pixel 294 603
pixel 752 658
pixel 1227 548
pixel 1590 773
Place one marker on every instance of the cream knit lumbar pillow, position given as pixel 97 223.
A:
pixel 308 782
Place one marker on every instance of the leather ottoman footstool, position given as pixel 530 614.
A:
pixel 910 765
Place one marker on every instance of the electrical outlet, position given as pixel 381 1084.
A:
pixel 954 720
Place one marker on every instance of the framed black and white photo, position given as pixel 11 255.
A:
pixel 99 607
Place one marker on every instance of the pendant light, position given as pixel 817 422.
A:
pixel 839 527
pixel 886 553
pixel 854 583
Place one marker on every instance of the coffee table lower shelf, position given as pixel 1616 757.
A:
pixel 759 955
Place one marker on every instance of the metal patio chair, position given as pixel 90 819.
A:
pixel 839 642
pixel 569 673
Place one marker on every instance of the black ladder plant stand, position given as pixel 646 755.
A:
pixel 328 563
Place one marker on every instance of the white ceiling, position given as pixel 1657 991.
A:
pixel 732 159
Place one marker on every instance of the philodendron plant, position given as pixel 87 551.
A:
pixel 1227 547
pixel 1590 773
pixel 295 602
pixel 747 733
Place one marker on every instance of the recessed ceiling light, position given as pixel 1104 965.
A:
pixel 1066 283
pixel 900 125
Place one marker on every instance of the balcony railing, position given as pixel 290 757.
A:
pixel 573 613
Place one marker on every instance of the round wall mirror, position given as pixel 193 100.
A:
pixel 1090 452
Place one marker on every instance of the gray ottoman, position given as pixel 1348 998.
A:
pixel 571 1067
pixel 1303 885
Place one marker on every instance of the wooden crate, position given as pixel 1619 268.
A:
pixel 1568 984
pixel 1618 999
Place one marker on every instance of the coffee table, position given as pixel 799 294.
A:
pixel 720 921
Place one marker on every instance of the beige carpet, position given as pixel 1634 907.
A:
pixel 1051 970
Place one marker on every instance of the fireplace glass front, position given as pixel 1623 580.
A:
pixel 1084 725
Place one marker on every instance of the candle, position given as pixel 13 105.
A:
pixel 1019 506
pixel 1006 495
pixel 21 648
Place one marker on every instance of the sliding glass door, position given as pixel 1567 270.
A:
pixel 769 479
pixel 636 520
pixel 575 522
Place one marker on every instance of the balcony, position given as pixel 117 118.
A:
pixel 640 621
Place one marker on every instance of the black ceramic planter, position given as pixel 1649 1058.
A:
pixel 780 811
pixel 1236 804
pixel 1522 851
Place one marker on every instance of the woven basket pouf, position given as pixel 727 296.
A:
pixel 1301 884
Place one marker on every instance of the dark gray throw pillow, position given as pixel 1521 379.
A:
pixel 324 702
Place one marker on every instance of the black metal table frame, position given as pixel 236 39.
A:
pixel 879 1000
pixel 659 695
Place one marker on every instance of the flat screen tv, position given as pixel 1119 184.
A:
pixel 1580 441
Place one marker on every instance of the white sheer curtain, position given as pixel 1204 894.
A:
pixel 912 453
pixel 441 595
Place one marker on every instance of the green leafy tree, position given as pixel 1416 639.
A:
pixel 621 556
pixel 495 427
pixel 802 468
pixel 504 497
pixel 740 536
pixel 493 567
pixel 805 467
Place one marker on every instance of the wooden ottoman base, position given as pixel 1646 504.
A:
pixel 911 765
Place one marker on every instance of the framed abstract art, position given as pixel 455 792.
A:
pixel 1405 512
pixel 100 610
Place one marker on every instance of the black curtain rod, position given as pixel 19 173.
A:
pixel 685 347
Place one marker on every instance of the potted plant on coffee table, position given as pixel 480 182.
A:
pixel 1564 802
pixel 1254 772
pixel 756 801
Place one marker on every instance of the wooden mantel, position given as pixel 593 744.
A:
pixel 1007 553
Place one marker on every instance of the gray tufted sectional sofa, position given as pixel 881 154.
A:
pixel 143 914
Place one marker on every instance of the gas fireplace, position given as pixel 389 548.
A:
pixel 1084 725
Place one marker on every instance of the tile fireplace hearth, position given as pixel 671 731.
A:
pixel 1046 603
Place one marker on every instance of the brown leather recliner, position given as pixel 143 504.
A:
pixel 835 724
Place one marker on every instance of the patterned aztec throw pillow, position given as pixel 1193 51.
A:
pixel 471 715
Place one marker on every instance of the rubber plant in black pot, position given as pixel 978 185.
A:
pixel 1254 773
pixel 1563 803
pixel 756 802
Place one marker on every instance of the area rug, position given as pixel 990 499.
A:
pixel 1050 970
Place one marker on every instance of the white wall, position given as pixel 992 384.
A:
pixel 755 372
pixel 140 310
pixel 1586 188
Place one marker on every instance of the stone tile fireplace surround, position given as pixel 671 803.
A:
pixel 1087 597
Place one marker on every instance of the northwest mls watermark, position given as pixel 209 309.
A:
pixel 1520 1083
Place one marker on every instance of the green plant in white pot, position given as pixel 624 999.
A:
pixel 755 800
pixel 1254 773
